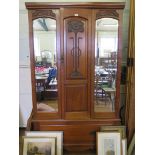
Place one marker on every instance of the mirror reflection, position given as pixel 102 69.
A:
pixel 106 45
pixel 44 33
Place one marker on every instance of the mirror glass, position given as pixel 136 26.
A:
pixel 44 36
pixel 106 46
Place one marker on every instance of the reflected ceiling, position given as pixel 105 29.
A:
pixel 107 24
pixel 44 24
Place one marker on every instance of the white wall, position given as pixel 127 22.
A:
pixel 25 97
pixel 25 101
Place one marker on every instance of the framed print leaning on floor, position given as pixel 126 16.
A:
pixel 58 135
pixel 38 146
pixel 108 143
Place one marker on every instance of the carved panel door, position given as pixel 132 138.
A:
pixel 76 29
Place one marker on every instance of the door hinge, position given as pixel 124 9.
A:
pixel 130 62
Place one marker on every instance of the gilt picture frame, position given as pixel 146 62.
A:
pixel 120 129
pixel 108 143
pixel 38 146
pixel 58 135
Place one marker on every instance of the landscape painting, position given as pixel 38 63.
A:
pixel 39 146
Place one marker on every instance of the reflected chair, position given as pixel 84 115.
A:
pixel 51 90
pixel 106 96
pixel 98 91
pixel 40 89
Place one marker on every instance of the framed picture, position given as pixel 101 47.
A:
pixel 108 143
pixel 120 129
pixel 55 134
pixel 38 146
pixel 124 146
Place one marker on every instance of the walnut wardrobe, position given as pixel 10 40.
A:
pixel 75 53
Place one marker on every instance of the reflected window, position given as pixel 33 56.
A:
pixel 108 44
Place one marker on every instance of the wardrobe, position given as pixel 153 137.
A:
pixel 75 55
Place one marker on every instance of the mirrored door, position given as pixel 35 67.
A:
pixel 106 68
pixel 46 75
pixel 106 48
pixel 45 55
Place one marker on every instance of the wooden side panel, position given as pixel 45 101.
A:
pixel 76 98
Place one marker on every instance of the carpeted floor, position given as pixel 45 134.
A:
pixel 102 105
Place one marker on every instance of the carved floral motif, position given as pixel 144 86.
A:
pixel 107 14
pixel 75 26
pixel 43 13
